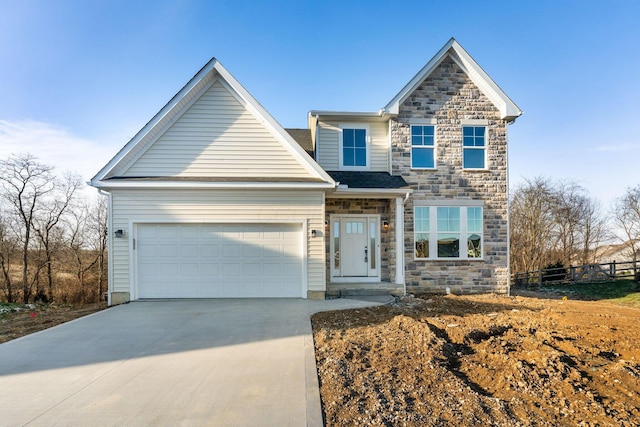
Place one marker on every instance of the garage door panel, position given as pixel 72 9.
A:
pixel 209 250
pixel 252 250
pixel 169 250
pixel 219 260
pixel 167 231
pixel 189 269
pixel 191 251
pixel 232 250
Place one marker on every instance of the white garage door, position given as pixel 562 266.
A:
pixel 219 260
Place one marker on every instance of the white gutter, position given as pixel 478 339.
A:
pixel 219 185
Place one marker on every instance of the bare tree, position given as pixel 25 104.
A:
pixel 8 247
pixel 47 225
pixel 594 230
pixel 87 229
pixel 569 210
pixel 98 238
pixel 24 183
pixel 553 223
pixel 626 213
pixel 532 224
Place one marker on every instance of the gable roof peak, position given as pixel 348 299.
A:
pixel 211 72
pixel 508 109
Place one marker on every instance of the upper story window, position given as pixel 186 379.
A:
pixel 354 148
pixel 474 147
pixel 423 147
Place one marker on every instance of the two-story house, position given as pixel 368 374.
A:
pixel 213 198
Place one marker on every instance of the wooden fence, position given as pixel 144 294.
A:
pixel 578 274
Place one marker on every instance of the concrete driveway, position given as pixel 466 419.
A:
pixel 180 363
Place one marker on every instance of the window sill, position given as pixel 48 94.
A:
pixel 355 168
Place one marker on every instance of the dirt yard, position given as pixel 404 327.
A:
pixel 480 360
pixel 19 320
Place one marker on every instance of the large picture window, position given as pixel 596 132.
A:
pixel 423 147
pixel 446 232
pixel 473 147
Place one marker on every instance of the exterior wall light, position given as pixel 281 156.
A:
pixel 385 225
pixel 119 234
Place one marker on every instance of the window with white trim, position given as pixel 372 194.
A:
pixel 474 147
pixel 448 232
pixel 354 148
pixel 423 147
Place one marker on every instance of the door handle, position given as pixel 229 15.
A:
pixel 366 254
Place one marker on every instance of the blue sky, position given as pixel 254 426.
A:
pixel 79 78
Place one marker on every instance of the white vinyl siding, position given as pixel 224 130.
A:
pixel 218 137
pixel 131 207
pixel 328 145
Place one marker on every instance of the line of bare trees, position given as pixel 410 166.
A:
pixel 557 223
pixel 53 242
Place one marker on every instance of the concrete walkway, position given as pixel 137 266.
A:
pixel 179 363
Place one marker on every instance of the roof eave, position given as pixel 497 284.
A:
pixel 369 193
pixel 509 110
pixel 110 185
pixel 380 115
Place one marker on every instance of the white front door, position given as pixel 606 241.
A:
pixel 355 248
pixel 355 251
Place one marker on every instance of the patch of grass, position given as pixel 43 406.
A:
pixel 9 307
pixel 620 291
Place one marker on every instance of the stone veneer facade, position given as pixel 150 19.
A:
pixel 450 98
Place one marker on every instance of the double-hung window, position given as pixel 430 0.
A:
pixel 423 147
pixel 354 148
pixel 474 147
pixel 448 232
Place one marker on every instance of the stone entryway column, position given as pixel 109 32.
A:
pixel 399 226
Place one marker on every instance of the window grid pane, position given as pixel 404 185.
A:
pixel 473 158
pixel 421 231
pixel 448 245
pixel 473 136
pixel 354 147
pixel 474 248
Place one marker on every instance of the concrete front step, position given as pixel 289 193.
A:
pixel 364 292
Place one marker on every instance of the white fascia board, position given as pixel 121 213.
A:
pixel 369 193
pixel 214 66
pixel 489 87
pixel 508 109
pixel 372 116
pixel 393 106
pixel 107 185
pixel 169 107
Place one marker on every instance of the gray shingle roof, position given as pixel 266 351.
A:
pixel 368 179
pixel 303 138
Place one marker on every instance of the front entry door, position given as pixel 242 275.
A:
pixel 355 250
